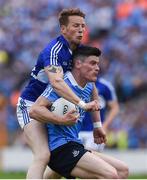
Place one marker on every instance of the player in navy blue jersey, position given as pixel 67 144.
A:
pixel 109 110
pixel 51 64
pixel 69 158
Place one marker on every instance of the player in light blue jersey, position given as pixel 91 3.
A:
pixel 109 104
pixel 52 62
pixel 69 158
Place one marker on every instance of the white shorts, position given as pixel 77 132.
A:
pixel 88 141
pixel 23 107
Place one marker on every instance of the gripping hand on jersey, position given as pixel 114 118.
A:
pixel 92 106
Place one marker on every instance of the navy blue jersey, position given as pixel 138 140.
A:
pixel 60 134
pixel 106 94
pixel 56 53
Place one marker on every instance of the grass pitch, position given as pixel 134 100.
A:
pixel 22 175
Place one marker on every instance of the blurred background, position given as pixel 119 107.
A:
pixel 117 27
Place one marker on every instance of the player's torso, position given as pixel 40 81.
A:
pixel 62 134
pixel 56 53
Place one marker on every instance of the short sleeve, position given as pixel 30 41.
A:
pixel 50 94
pixel 110 93
pixel 51 55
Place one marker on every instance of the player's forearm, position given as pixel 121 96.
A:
pixel 62 89
pixel 42 114
pixel 65 91
pixel 95 95
pixel 113 112
pixel 96 116
pixel 55 76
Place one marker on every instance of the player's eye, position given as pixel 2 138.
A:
pixel 75 25
pixel 83 25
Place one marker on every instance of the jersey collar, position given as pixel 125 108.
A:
pixel 73 81
pixel 65 42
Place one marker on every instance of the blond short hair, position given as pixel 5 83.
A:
pixel 65 13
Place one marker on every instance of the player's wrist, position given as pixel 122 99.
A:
pixel 97 124
pixel 82 104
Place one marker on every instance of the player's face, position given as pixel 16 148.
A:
pixel 90 68
pixel 74 31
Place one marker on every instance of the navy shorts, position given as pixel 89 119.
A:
pixel 64 158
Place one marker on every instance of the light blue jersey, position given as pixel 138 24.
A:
pixel 56 53
pixel 59 135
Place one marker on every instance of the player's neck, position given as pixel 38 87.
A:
pixel 72 45
pixel 80 81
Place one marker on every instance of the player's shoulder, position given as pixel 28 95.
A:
pixel 69 79
pixel 105 83
pixel 53 46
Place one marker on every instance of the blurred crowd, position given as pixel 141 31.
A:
pixel 117 27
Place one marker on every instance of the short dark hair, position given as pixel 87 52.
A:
pixel 85 51
pixel 65 13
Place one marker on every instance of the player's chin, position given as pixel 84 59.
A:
pixel 78 40
pixel 93 79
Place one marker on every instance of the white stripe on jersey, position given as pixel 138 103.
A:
pixel 53 56
pixel 23 108
pixel 70 51
pixel 52 49
pixel 57 54
pixel 47 91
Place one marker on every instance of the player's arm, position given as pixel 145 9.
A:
pixel 112 113
pixel 96 114
pixel 95 95
pixel 40 112
pixel 55 75
pixel 98 132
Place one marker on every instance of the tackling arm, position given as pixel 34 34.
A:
pixel 55 76
pixel 40 112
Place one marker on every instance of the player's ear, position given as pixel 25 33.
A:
pixel 63 29
pixel 78 63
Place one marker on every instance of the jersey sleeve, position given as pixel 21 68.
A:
pixel 51 55
pixel 110 93
pixel 50 94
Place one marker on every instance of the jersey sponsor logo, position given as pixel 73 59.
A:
pixel 64 63
pixel 75 153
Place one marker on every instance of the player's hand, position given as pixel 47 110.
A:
pixel 70 118
pixel 92 106
pixel 99 135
